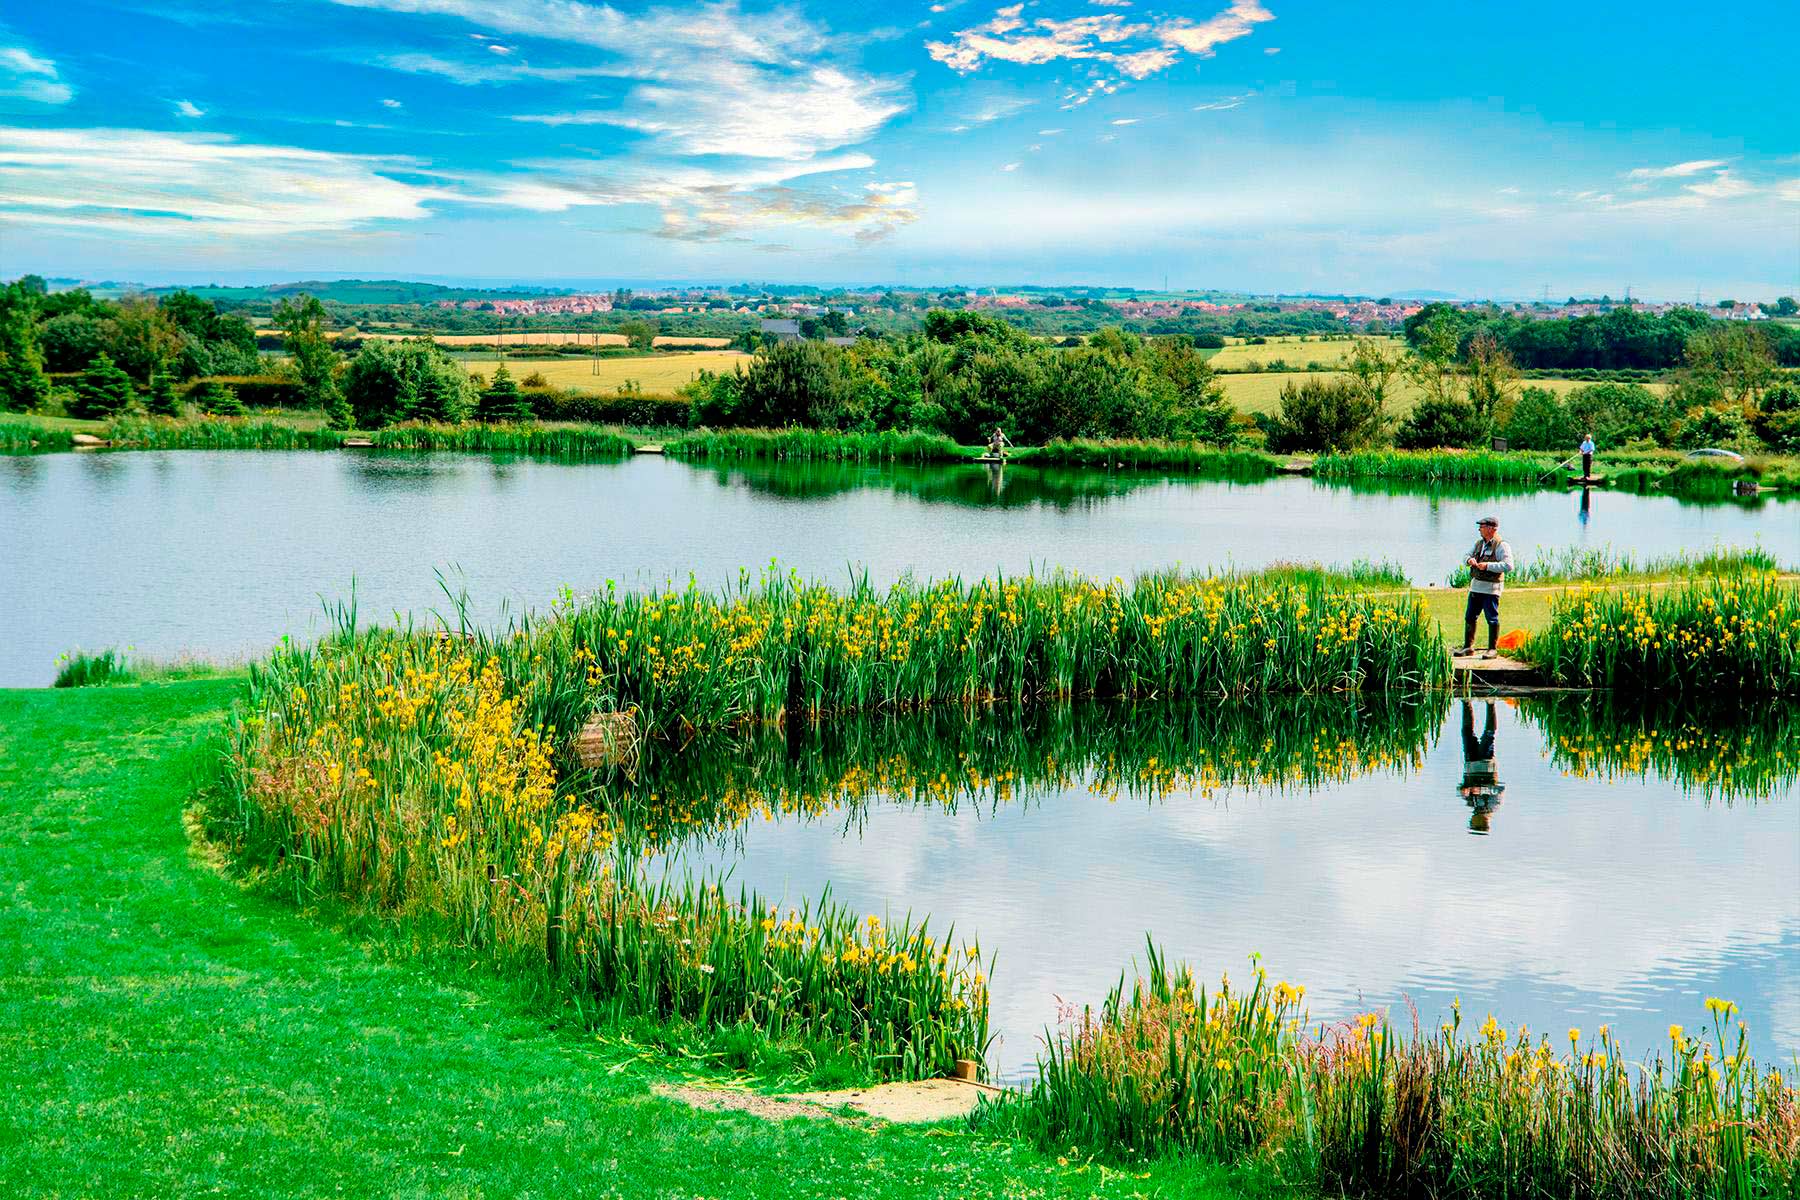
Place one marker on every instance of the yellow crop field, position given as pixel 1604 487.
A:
pixel 657 376
pixel 1261 393
pixel 1295 351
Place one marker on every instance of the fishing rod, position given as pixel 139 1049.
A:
pixel 1564 465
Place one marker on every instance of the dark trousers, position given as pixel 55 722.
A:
pixel 1484 604
pixel 1587 466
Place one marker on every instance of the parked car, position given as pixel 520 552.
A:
pixel 1733 455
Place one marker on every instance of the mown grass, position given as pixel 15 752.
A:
pixel 169 1032
pixel 819 445
pixel 1731 635
pixel 1362 1108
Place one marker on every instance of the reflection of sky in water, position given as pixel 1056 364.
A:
pixel 1587 901
pixel 220 553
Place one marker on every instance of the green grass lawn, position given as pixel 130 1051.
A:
pixel 167 1032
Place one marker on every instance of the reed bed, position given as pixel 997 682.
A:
pixel 79 669
pixel 1457 466
pixel 534 441
pixel 1186 458
pixel 1735 635
pixel 819 445
pixel 1721 750
pixel 1363 1108
pixel 784 647
pixel 992 757
pixel 403 774
pixel 1577 564
pixel 29 437
pixel 217 433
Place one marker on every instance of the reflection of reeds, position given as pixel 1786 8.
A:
pixel 1185 458
pixel 1722 750
pixel 1362 1108
pixel 991 756
pixel 1734 635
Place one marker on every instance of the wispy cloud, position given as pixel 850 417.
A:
pixel 706 80
pixel 188 109
pixel 144 181
pixel 27 76
pixel 1678 171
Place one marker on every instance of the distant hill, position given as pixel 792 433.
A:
pixel 358 291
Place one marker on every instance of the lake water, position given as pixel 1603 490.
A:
pixel 219 554
pixel 1553 888
pixel 1347 846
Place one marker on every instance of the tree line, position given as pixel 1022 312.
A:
pixel 1620 340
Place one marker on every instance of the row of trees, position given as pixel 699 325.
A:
pixel 966 373
pixel 1622 339
pixel 1729 392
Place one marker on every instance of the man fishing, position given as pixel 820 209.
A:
pixel 1488 564
pixel 1587 458
pixel 998 443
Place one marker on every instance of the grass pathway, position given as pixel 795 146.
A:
pixel 164 1031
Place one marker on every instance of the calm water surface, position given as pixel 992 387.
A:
pixel 1547 889
pixel 219 554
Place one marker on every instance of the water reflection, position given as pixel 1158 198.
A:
pixel 978 761
pixel 968 486
pixel 1481 786
pixel 1611 888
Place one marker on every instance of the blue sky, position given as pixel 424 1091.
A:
pixel 1483 149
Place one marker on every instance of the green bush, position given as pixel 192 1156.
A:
pixel 1540 422
pixel 1721 426
pixel 389 382
pixel 1441 424
pixel 216 399
pixel 102 390
pixel 551 404
pixel 503 400
pixel 1325 416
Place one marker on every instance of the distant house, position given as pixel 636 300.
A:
pixel 781 331
pixel 840 341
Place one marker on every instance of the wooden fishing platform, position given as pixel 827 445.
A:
pixel 1295 466
pixel 1495 673
pixel 991 459
pixel 1587 481
pixel 647 449
pixel 357 444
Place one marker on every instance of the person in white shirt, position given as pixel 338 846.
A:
pixel 1587 456
pixel 1488 564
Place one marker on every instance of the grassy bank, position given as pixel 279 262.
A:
pixel 168 1031
pixel 1576 564
pixel 1454 466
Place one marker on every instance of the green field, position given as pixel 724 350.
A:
pixel 659 375
pixel 1261 393
pixel 168 1032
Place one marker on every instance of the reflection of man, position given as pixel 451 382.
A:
pixel 1481 786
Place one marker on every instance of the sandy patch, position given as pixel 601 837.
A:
pixel 907 1103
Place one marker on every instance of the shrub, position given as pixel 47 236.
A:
pixel 1721 426
pixel 1540 422
pixel 1325 415
pixel 1618 413
pixel 160 402
pixel 216 399
pixel 102 390
pixel 551 404
pixel 1777 420
pixel 1448 422
pixel 389 382
pixel 76 669
pixel 503 400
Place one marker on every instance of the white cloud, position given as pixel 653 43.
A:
pixel 187 108
pixel 1049 132
pixel 1011 166
pixel 704 80
pixel 1126 121
pixel 390 103
pixel 26 76
pixel 1678 171
pixel 1136 49
pixel 1224 104
pixel 134 180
